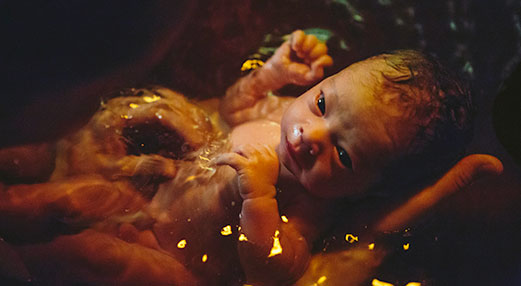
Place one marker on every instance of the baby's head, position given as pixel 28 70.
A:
pixel 391 118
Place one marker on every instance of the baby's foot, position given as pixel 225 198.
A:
pixel 301 60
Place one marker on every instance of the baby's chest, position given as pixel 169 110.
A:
pixel 263 132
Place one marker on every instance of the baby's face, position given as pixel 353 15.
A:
pixel 337 137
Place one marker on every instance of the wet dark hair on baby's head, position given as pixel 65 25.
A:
pixel 439 104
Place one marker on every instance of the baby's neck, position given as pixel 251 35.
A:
pixel 289 184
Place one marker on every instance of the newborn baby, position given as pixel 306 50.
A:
pixel 291 160
pixel 295 157
pixel 352 131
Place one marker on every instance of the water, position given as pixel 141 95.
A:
pixel 474 239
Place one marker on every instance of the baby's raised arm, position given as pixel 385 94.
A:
pixel 300 60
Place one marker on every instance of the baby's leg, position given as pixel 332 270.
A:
pixel 94 258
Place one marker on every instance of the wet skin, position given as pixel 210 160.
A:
pixel 335 137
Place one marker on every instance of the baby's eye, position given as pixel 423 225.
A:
pixel 344 157
pixel 321 103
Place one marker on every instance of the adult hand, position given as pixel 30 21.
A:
pixel 355 265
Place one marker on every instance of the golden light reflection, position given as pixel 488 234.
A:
pixel 413 284
pixel 284 218
pixel 251 64
pixel 371 246
pixel 181 244
pixel 227 230
pixel 133 105
pixel 204 158
pixel 351 238
pixel 377 282
pixel 124 116
pixel 204 258
pixel 152 98
pixel 276 249
pixel 190 178
pixel 243 237
pixel 321 280
pixel 406 246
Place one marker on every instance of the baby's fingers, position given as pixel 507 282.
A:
pixel 302 44
pixel 317 68
pixel 323 61
pixel 297 39
pixel 309 43
pixel 319 50
pixel 233 160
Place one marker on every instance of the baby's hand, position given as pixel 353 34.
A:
pixel 301 60
pixel 257 169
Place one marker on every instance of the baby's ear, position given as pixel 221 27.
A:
pixel 464 173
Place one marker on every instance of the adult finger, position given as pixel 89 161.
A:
pixel 464 173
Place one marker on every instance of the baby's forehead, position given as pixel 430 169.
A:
pixel 374 104
pixel 368 76
pixel 371 68
pixel 369 72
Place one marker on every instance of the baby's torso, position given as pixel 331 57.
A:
pixel 263 132
pixel 198 219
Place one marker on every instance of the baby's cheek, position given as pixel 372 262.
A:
pixel 314 181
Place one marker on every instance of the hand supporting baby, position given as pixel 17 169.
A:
pixel 353 266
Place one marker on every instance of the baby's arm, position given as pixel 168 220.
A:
pixel 301 61
pixel 271 252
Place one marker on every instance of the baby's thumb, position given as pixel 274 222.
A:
pixel 233 160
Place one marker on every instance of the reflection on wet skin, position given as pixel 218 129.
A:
pixel 140 178
pixel 116 205
pixel 133 144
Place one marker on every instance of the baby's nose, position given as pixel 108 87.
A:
pixel 314 137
